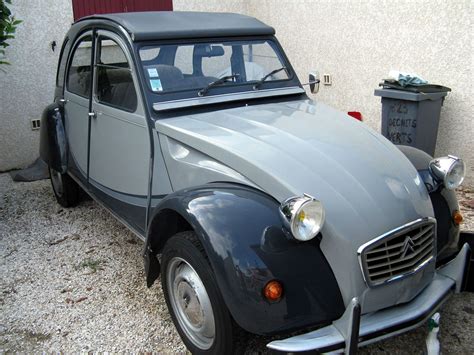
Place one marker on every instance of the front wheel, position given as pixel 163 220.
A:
pixel 193 298
pixel 65 188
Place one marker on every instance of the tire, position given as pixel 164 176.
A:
pixel 194 300
pixel 65 188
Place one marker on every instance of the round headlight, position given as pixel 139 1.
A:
pixel 450 170
pixel 304 216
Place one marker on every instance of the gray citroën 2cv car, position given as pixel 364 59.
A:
pixel 272 213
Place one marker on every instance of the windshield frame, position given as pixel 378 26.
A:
pixel 238 88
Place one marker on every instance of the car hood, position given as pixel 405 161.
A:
pixel 365 183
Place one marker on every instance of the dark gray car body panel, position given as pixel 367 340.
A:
pixel 53 142
pixel 247 245
pixel 143 26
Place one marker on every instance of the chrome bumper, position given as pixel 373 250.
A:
pixel 354 330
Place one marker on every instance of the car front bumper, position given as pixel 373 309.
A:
pixel 352 329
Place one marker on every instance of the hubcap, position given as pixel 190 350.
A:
pixel 57 181
pixel 191 303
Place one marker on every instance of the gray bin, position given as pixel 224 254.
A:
pixel 411 118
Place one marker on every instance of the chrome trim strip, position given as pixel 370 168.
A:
pixel 213 99
pixel 361 249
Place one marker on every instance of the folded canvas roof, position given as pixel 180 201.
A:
pixel 155 25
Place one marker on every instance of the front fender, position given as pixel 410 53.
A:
pixel 247 246
pixel 444 203
pixel 53 144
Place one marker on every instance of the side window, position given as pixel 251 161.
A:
pixel 114 77
pixel 79 75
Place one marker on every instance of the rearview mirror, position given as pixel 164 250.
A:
pixel 314 82
pixel 208 51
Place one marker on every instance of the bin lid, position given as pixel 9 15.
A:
pixel 410 96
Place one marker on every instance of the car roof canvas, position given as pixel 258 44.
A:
pixel 155 25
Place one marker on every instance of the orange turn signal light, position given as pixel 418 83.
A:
pixel 457 218
pixel 273 290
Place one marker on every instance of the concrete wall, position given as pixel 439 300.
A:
pixel 358 42
pixel 27 86
pixel 238 6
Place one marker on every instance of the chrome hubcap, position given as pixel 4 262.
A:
pixel 191 303
pixel 57 181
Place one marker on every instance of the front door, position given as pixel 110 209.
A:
pixel 119 138
pixel 77 95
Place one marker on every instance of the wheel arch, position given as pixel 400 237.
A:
pixel 166 223
pixel 242 234
pixel 417 157
pixel 444 203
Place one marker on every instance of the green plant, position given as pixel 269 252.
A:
pixel 8 25
pixel 91 264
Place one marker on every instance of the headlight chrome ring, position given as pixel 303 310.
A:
pixel 303 215
pixel 450 170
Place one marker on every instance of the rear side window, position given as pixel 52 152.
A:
pixel 114 77
pixel 79 75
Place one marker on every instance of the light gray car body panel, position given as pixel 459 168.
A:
pixel 76 124
pixel 119 143
pixel 76 109
pixel 190 167
pixel 365 183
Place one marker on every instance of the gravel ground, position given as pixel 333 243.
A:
pixel 72 280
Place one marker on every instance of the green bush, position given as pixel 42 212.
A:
pixel 8 25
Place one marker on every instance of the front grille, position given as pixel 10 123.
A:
pixel 398 253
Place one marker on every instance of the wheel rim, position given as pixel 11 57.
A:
pixel 57 181
pixel 191 303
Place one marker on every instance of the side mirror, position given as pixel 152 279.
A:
pixel 314 82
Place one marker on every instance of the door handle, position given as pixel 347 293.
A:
pixel 93 114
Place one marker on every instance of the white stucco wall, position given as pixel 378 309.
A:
pixel 237 6
pixel 27 86
pixel 358 42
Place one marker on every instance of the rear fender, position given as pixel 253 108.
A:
pixel 53 143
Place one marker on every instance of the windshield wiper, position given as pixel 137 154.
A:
pixel 222 80
pixel 260 82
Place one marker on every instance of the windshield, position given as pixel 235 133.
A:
pixel 193 67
